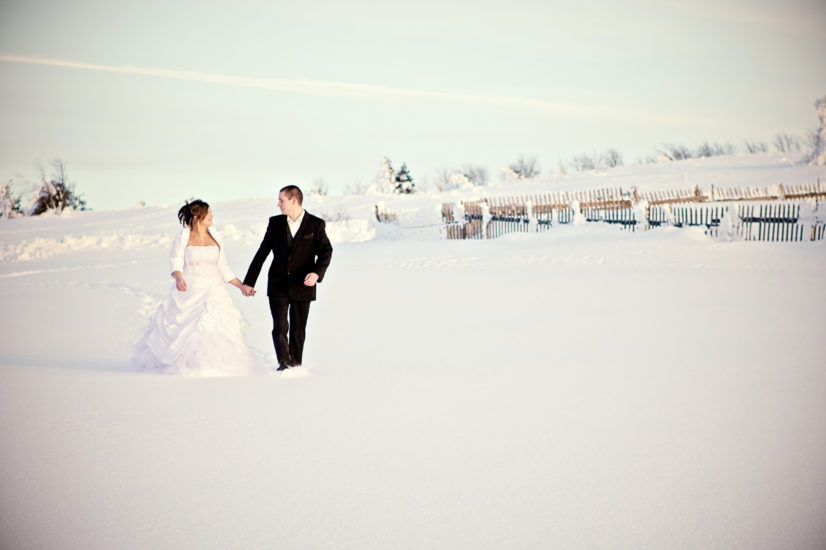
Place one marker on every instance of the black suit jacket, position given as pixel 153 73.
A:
pixel 293 257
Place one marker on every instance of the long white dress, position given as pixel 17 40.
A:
pixel 197 332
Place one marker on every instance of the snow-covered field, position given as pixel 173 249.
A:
pixel 579 388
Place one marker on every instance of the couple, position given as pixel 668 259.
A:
pixel 196 331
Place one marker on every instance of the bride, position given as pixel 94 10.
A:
pixel 196 331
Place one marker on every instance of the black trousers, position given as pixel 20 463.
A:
pixel 288 318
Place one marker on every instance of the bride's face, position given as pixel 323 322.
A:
pixel 206 221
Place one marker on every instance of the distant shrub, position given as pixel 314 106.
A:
pixel 597 161
pixel 612 158
pixel 715 149
pixel 9 204
pixel 477 175
pixel 584 162
pixel 675 152
pixel 55 192
pixel 522 168
pixel 466 177
pixel 786 143
pixel 757 147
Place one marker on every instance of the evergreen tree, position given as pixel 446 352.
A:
pixel 404 181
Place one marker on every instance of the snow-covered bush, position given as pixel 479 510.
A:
pixel 9 205
pixel 385 181
pixel 55 193
pixel 388 181
pixel 467 177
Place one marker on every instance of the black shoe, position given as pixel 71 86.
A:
pixel 282 366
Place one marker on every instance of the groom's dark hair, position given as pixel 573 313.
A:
pixel 293 192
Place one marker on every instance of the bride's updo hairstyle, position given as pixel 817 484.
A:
pixel 193 211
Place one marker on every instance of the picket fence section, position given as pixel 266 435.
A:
pixel 777 213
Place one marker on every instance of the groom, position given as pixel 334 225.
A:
pixel 301 253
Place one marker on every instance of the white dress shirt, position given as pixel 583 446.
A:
pixel 294 225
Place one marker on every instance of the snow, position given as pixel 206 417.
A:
pixel 584 387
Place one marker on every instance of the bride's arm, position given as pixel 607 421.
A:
pixel 180 283
pixel 245 290
pixel 176 259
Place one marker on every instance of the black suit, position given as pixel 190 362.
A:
pixel 293 258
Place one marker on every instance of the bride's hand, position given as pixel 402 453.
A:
pixel 180 283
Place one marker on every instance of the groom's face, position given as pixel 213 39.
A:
pixel 288 206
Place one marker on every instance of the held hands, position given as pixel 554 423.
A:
pixel 247 290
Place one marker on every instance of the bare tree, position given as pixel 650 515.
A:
pixel 612 158
pixel 674 152
pixel 477 175
pixel 705 150
pixel 757 147
pixel 715 149
pixel 442 179
pixel 811 138
pixel 786 143
pixel 525 167
pixel 584 162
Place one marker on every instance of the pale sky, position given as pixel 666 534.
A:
pixel 159 101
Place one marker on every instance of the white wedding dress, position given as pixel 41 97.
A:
pixel 197 332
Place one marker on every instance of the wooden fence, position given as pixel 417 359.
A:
pixel 777 217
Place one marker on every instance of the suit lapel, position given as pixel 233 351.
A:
pixel 285 232
pixel 302 228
